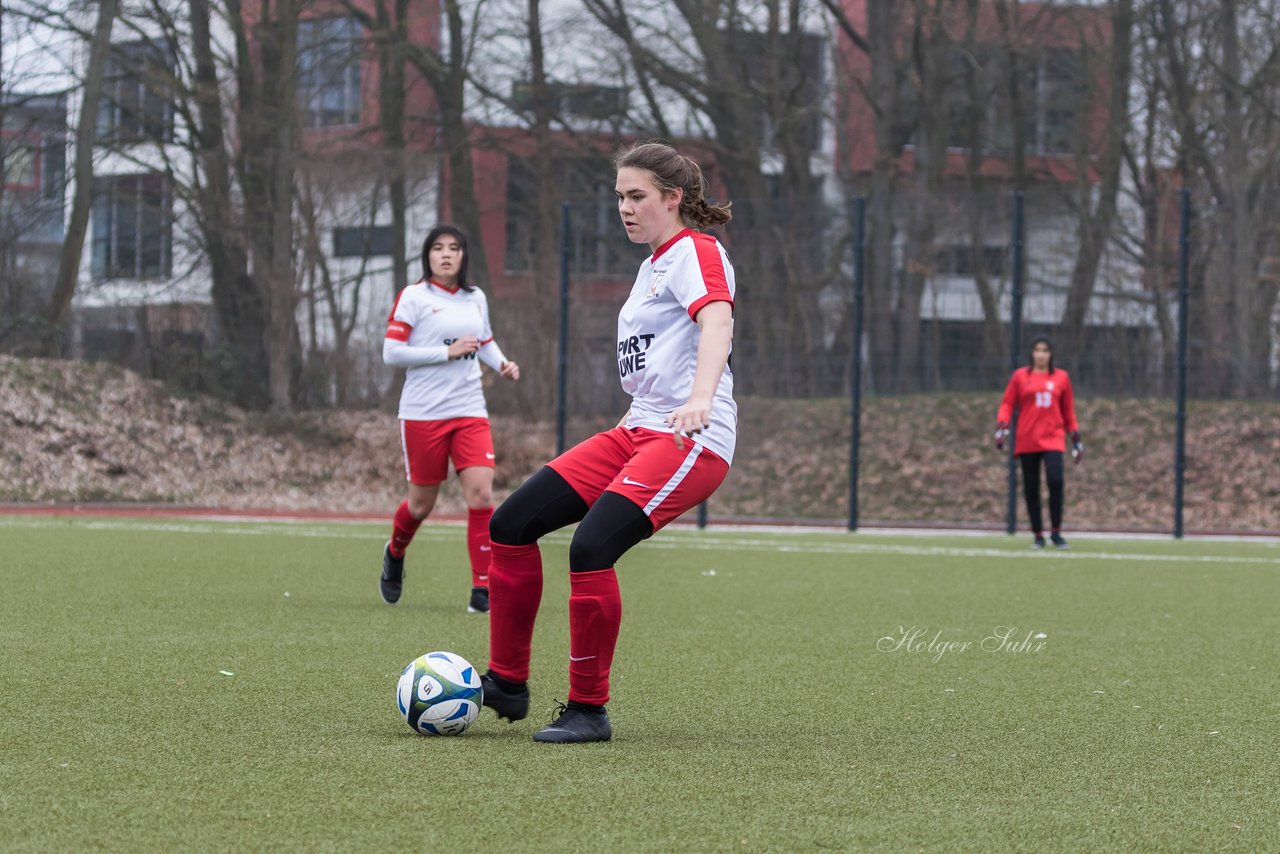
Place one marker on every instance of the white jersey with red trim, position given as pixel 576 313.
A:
pixel 658 336
pixel 430 315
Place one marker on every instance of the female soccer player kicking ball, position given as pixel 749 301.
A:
pixel 669 452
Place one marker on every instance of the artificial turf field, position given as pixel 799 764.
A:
pixel 762 697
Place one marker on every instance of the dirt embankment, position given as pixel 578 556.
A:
pixel 73 432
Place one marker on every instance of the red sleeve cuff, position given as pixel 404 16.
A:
pixel 398 331
pixel 709 298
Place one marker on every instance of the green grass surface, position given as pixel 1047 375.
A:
pixel 756 706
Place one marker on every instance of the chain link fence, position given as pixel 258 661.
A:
pixel 939 276
pixel 940 282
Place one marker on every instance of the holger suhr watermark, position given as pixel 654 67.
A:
pixel 1009 640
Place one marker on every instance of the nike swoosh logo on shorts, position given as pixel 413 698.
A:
pixel 488 456
pixel 629 482
pixel 580 657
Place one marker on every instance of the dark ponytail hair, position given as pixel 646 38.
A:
pixel 435 234
pixel 1031 360
pixel 671 170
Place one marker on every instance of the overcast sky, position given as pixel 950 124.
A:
pixel 36 59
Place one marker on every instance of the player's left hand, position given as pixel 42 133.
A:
pixel 1077 448
pixel 689 419
pixel 510 370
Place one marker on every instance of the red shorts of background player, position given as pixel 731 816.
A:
pixel 644 466
pixel 429 445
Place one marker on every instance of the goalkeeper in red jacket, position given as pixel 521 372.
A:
pixel 1041 396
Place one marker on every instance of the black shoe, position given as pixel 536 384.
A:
pixel 1038 543
pixel 1058 542
pixel 479 603
pixel 392 580
pixel 577 724
pixel 509 700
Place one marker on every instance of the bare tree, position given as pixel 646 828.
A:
pixel 236 298
pixel 754 81
pixel 340 298
pixel 265 161
pixel 882 34
pixel 979 89
pixel 388 27
pixel 391 47
pixel 78 221
pixel 1222 70
pixel 26 211
pixel 1097 212
pixel 931 53
pixel 447 76
pixel 914 86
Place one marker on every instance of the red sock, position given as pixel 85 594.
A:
pixel 403 527
pixel 478 545
pixel 595 612
pixel 515 592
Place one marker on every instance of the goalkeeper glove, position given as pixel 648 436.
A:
pixel 1077 447
pixel 1002 433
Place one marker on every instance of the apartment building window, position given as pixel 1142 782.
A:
pixel 1062 97
pixel 330 51
pixel 362 242
pixel 575 100
pixel 21 166
pixel 599 245
pixel 132 228
pixel 53 171
pixel 136 105
pixel 1055 97
pixel 970 261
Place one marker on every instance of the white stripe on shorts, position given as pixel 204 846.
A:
pixel 670 485
pixel 404 444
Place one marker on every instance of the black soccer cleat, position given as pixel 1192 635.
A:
pixel 479 603
pixel 508 700
pixel 576 724
pixel 1058 542
pixel 392 580
pixel 1038 542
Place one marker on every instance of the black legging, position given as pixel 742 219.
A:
pixel 546 503
pixel 1031 487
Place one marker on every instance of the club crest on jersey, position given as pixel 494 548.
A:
pixel 655 286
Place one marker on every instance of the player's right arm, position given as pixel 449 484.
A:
pixel 1004 415
pixel 397 352
pixel 401 354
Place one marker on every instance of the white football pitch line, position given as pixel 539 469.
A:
pixel 676 541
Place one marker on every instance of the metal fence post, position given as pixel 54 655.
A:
pixel 1015 346
pixel 1184 286
pixel 855 386
pixel 562 355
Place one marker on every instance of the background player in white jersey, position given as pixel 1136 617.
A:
pixel 439 330
pixel 669 452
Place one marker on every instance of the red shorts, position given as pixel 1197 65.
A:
pixel 644 466
pixel 428 446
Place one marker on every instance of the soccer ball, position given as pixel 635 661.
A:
pixel 439 694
